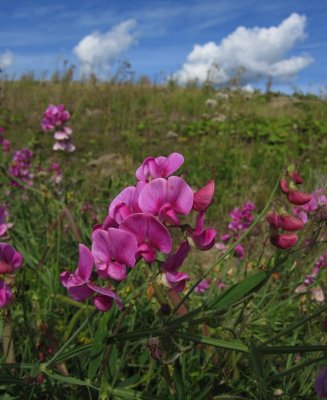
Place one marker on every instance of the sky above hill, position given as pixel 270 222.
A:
pixel 215 39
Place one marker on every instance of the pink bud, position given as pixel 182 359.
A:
pixel 290 223
pixel 298 198
pixel 284 241
pixel 274 219
pixel 296 178
pixel 203 197
pixel 283 185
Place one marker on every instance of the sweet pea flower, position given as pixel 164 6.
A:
pixel 5 294
pixel 203 239
pixel 10 259
pixel 203 197
pixel 202 286
pixel 54 117
pixel 126 203
pixel 159 167
pixel 77 283
pixel 239 251
pixel 80 287
pixel 151 235
pixel 167 198
pixel 113 250
pixel 298 198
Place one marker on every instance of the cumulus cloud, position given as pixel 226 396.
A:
pixel 6 59
pixel 254 53
pixel 99 50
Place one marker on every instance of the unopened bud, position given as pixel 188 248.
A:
pixel 283 185
pixel 290 223
pixel 298 198
pixel 284 241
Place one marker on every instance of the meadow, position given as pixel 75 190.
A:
pixel 245 319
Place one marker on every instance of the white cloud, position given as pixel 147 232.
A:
pixel 6 59
pixel 257 52
pixel 99 50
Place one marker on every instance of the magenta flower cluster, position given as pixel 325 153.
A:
pixel 10 261
pixel 21 165
pixel 5 143
pixel 138 227
pixel 240 220
pixel 54 120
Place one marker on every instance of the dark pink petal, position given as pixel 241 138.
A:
pixel 204 240
pixel 107 292
pixel 102 303
pixel 100 248
pixel 147 228
pixel 203 197
pixel 64 278
pixel 122 246
pixel 176 280
pixel 10 256
pixel 174 261
pixel 85 263
pixel 80 293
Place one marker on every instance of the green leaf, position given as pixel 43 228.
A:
pixel 237 346
pixel 237 292
pixel 98 345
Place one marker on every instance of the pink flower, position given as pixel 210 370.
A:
pixel 126 203
pixel 151 235
pixel 80 287
pixel 160 167
pixel 167 198
pixel 203 239
pixel 202 286
pixel 10 259
pixel 113 250
pixel 5 294
pixel 239 251
pixel 54 117
pixel 203 197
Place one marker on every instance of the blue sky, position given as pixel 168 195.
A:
pixel 40 35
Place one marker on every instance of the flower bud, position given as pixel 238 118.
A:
pixel 296 178
pixel 290 223
pixel 284 241
pixel 298 198
pixel 203 197
pixel 283 185
pixel 274 219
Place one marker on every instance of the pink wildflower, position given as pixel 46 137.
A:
pixel 160 167
pixel 6 296
pixel 10 259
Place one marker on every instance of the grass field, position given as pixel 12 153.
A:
pixel 256 338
